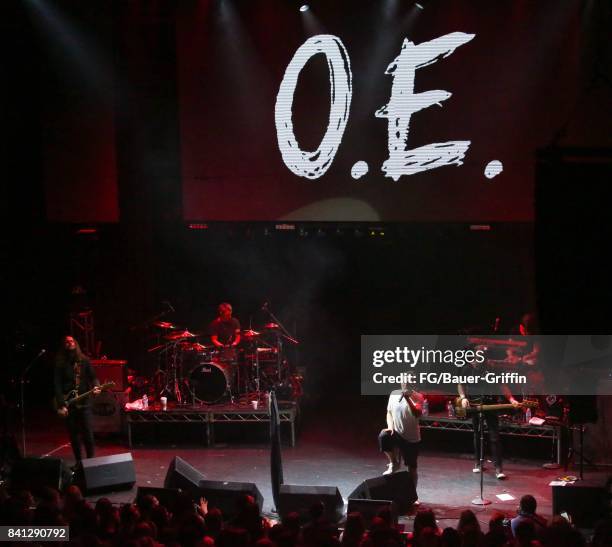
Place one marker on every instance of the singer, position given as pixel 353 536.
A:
pixel 402 436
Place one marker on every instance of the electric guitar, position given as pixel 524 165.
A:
pixel 461 412
pixel 512 362
pixel 72 396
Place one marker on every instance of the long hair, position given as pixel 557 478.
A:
pixel 468 520
pixel 64 358
pixel 424 518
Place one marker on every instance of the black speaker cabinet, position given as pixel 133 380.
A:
pixel 397 487
pixel 585 501
pixel 224 495
pixel 181 475
pixel 298 498
pixel 582 409
pixel 34 474
pixel 106 412
pixel 108 370
pixel 370 508
pixel 107 473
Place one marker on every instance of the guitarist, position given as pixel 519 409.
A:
pixel 492 420
pixel 75 375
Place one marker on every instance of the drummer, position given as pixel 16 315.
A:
pixel 225 329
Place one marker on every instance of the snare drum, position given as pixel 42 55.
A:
pixel 209 382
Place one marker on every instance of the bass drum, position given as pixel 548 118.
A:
pixel 209 382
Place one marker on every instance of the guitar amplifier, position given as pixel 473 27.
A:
pixel 111 370
pixel 107 412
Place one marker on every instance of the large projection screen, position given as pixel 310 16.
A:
pixel 372 111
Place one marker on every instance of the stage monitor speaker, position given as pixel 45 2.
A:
pixel 166 496
pixel 397 487
pixel 183 476
pixel 34 474
pixel 106 473
pixel 370 508
pixel 299 499
pixel 224 495
pixel 586 502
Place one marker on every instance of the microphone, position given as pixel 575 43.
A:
pixel 169 305
pixel 31 363
pixel 496 325
pixel 265 305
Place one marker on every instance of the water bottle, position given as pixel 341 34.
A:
pixel 145 401
pixel 425 411
pixel 450 409
pixel 527 415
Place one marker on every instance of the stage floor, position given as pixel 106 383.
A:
pixel 333 452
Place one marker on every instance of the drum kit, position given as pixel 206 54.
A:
pixel 193 372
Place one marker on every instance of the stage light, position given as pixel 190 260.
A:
pixel 312 25
pixel 419 5
pixel 73 45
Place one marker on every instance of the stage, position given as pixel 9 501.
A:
pixel 331 449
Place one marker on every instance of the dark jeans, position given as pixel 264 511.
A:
pixel 492 421
pixel 410 451
pixel 79 428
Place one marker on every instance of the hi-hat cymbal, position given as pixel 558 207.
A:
pixel 179 335
pixel 271 326
pixel 164 325
pixel 250 333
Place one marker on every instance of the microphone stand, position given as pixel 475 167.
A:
pixel 480 500
pixel 22 399
pixel 285 333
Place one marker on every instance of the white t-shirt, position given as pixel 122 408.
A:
pixel 405 423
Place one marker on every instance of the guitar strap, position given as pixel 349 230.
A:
pixel 77 376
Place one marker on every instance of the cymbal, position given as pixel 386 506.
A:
pixel 192 346
pixel 179 335
pixel 271 326
pixel 250 333
pixel 164 325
